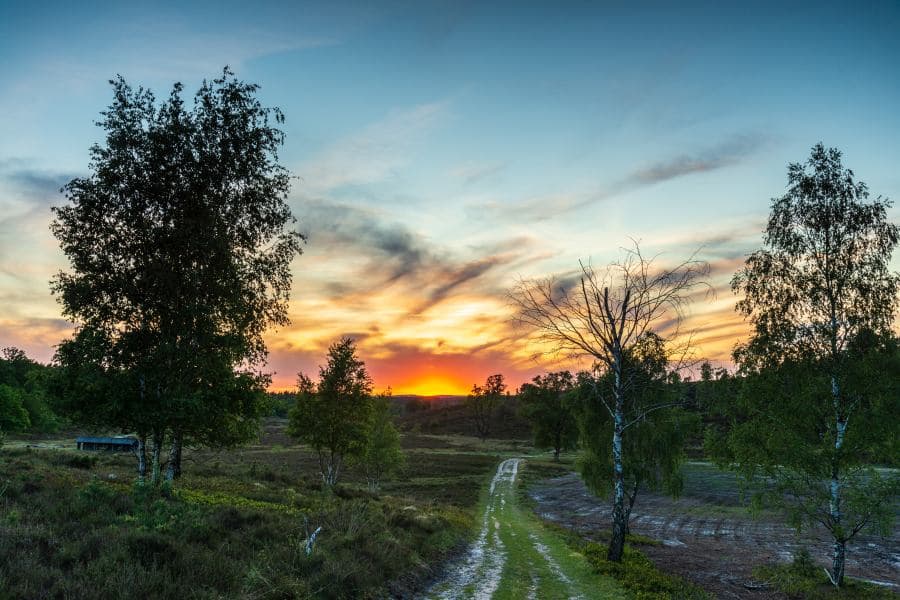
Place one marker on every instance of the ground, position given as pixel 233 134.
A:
pixel 465 519
pixel 515 556
pixel 708 536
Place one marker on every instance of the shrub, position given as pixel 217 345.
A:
pixel 640 577
pixel 802 578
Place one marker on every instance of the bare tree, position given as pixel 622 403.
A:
pixel 603 314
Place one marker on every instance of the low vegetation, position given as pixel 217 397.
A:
pixel 76 526
pixel 803 579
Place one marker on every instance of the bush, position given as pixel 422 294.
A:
pixel 640 577
pixel 802 578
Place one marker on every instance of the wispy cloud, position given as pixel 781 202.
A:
pixel 473 173
pixel 373 154
pixel 729 152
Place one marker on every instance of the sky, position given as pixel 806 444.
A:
pixel 444 151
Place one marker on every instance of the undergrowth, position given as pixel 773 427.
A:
pixel 74 526
pixel 802 578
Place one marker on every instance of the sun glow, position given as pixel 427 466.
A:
pixel 433 385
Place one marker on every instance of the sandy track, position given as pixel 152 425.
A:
pixel 514 557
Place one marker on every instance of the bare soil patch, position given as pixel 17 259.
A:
pixel 707 535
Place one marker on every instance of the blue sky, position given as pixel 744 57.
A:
pixel 445 149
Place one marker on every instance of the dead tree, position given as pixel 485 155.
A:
pixel 602 314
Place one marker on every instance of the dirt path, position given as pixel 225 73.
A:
pixel 708 537
pixel 514 556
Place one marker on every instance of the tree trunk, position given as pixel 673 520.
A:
pixel 834 501
pixel 141 452
pixel 617 543
pixel 173 469
pixel 155 453
pixel 330 466
pixel 631 499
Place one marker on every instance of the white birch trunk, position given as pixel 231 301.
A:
pixel 834 502
pixel 141 452
pixel 617 543
pixel 173 469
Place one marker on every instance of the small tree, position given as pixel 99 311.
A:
pixel 820 397
pixel 547 405
pixel 653 450
pixel 381 455
pixel 333 416
pixel 483 402
pixel 603 315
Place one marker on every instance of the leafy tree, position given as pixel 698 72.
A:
pixel 180 248
pixel 30 379
pixel 381 455
pixel 818 401
pixel 483 402
pixel 333 416
pixel 604 314
pixel 653 450
pixel 13 416
pixel 546 404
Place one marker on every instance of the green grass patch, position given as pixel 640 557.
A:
pixel 802 578
pixel 640 577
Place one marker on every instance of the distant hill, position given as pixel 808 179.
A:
pixel 448 415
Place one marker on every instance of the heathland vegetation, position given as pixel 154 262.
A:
pixel 180 244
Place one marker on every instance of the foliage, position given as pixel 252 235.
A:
pixel 640 577
pixel 381 457
pixel 333 415
pixel 483 402
pixel 13 416
pixel 815 403
pixel 28 384
pixel 653 450
pixel 801 578
pixel 180 253
pixel 546 404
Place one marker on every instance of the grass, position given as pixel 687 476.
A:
pixel 636 576
pixel 540 560
pixel 802 578
pixel 74 525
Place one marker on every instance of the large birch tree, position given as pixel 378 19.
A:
pixel 603 314
pixel 180 242
pixel 817 403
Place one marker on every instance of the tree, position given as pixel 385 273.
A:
pixel 653 450
pixel 333 416
pixel 821 299
pixel 381 455
pixel 30 381
pixel 13 416
pixel 546 404
pixel 180 248
pixel 603 315
pixel 483 402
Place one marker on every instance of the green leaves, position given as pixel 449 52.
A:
pixel 818 401
pixel 180 243
pixel 547 402
pixel 333 415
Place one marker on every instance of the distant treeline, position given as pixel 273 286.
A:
pixel 26 396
